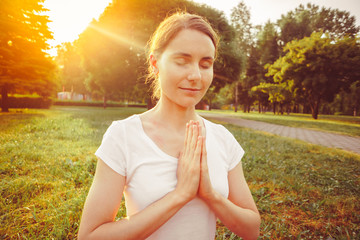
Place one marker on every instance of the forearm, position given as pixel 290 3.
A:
pixel 142 224
pixel 243 222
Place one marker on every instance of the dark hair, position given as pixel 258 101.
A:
pixel 166 31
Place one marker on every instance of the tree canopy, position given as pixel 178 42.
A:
pixel 24 65
pixel 305 20
pixel 72 74
pixel 109 58
pixel 270 44
pixel 318 67
pixel 114 47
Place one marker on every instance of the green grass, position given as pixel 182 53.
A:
pixel 330 123
pixel 47 163
pixel 303 191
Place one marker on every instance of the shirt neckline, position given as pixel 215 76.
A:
pixel 154 145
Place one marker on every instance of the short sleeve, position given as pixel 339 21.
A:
pixel 236 152
pixel 113 148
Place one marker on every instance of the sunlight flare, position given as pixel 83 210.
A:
pixel 118 38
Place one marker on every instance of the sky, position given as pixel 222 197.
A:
pixel 263 10
pixel 70 18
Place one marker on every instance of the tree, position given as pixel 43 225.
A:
pixel 268 44
pixel 346 102
pixel 355 97
pixel 303 21
pixel 266 51
pixel 113 48
pixel 72 73
pixel 254 76
pixel 240 19
pixel 244 39
pixel 319 67
pixel 278 93
pixel 24 66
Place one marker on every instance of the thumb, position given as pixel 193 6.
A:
pixel 180 154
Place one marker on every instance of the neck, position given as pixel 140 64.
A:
pixel 174 115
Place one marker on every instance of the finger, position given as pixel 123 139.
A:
pixel 189 137
pixel 204 153
pixel 186 136
pixel 195 135
pixel 204 146
pixel 186 131
pixel 197 153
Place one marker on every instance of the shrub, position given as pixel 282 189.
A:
pixel 96 104
pixel 28 102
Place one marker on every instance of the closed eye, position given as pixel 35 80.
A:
pixel 206 64
pixel 180 61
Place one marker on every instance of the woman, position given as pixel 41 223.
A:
pixel 178 171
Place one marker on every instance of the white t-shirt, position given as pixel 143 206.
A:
pixel 151 174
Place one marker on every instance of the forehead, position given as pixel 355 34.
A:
pixel 192 42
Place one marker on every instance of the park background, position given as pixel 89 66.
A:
pixel 306 65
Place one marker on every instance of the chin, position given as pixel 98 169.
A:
pixel 187 103
pixel 183 101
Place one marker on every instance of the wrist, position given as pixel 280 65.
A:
pixel 180 197
pixel 213 197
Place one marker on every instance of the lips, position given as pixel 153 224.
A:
pixel 190 89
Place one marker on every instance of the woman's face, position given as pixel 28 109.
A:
pixel 185 68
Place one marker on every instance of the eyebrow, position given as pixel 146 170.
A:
pixel 182 54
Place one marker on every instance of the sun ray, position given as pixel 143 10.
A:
pixel 118 38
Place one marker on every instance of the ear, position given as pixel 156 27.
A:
pixel 153 63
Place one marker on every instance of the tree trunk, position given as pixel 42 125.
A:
pixel 105 101
pixel 296 108
pixel 274 107
pixel 4 100
pixel 314 105
pixel 315 113
pixel 259 107
pixel 236 96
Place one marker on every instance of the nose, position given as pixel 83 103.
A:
pixel 194 74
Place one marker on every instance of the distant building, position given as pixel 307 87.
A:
pixel 73 96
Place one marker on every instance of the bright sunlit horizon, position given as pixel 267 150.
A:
pixel 71 17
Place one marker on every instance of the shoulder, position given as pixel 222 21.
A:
pixel 120 127
pixel 223 140
pixel 217 130
pixel 133 119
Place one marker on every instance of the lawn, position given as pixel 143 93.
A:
pixel 347 125
pixel 47 163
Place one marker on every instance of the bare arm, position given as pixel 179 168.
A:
pixel 238 212
pixel 106 192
